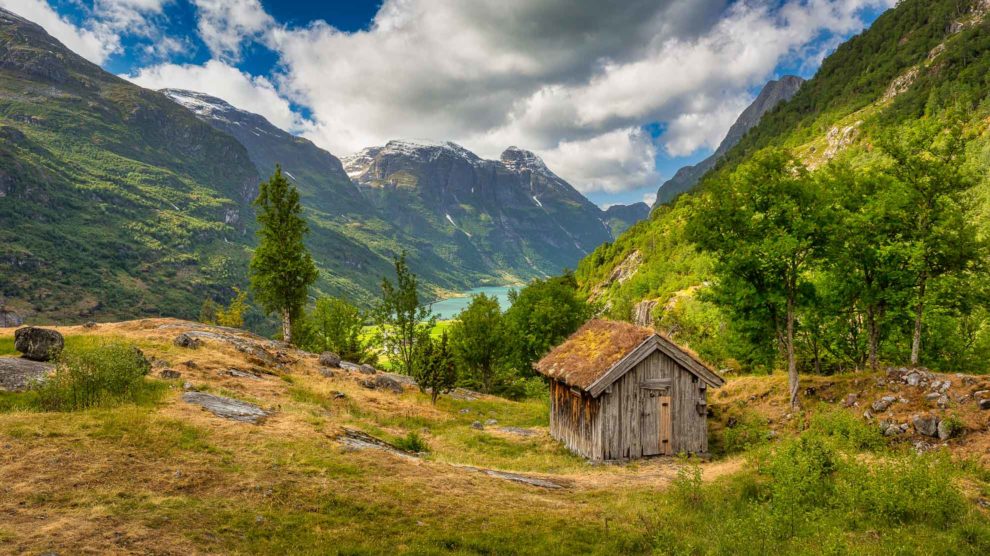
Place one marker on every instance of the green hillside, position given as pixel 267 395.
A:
pixel 921 64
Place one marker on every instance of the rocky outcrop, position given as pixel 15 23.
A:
pixel 17 374
pixel 38 344
pixel 227 408
pixel 643 312
pixel 329 359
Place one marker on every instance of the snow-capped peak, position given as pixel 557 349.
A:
pixel 201 104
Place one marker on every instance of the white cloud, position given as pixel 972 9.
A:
pixel 224 25
pixel 649 198
pixel 571 81
pixel 254 94
pixel 94 45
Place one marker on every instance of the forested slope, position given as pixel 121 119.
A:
pixel 920 65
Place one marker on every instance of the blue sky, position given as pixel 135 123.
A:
pixel 614 96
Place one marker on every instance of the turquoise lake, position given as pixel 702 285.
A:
pixel 446 309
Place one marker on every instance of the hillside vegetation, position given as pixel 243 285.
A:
pixel 340 463
pixel 920 69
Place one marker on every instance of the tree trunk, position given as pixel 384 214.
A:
pixel 286 326
pixel 873 337
pixel 918 313
pixel 792 374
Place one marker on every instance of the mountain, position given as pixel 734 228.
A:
pixel 919 60
pixel 772 94
pixel 113 199
pixel 621 217
pixel 512 216
pixel 123 202
pixel 350 241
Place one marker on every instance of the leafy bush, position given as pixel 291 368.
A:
pixel 847 429
pixel 816 494
pixel 742 432
pixel 95 374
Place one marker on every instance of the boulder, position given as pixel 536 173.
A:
pixel 9 319
pixel 367 369
pixel 186 341
pixel 228 408
pixel 348 366
pixel 944 430
pixel 883 403
pixel 170 374
pixel 926 425
pixel 38 344
pixel 17 374
pixel 382 382
pixel 329 359
pixel 943 401
pixel 984 404
pixel 850 400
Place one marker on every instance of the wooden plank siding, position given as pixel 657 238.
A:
pixel 612 426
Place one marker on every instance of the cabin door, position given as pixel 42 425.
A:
pixel 655 421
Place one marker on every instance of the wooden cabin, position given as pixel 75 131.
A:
pixel 620 391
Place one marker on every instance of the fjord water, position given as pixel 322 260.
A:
pixel 447 309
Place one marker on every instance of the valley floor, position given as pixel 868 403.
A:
pixel 171 478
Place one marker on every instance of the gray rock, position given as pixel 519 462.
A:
pixel 943 401
pixel 38 344
pixel 169 374
pixel 850 400
pixel 932 396
pixel 338 395
pixel 913 379
pixel 883 403
pixel 944 432
pixel 187 385
pixel 327 372
pixel 981 393
pixel 8 318
pixel 237 373
pixel 382 382
pixel 892 430
pixel 184 340
pixel 926 425
pixel 464 411
pixel 329 359
pixel 984 404
pixel 367 369
pixel 17 374
pixel 228 408
pixel 490 422
pixel 90 325
pixel 477 425
pixel 348 366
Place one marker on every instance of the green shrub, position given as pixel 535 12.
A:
pixel 96 374
pixel 412 442
pixel 743 432
pixel 846 428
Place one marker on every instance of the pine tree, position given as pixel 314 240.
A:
pixel 281 269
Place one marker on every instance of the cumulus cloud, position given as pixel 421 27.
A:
pixel 252 93
pixel 224 25
pixel 571 81
pixel 94 45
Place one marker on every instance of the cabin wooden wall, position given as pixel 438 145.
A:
pixel 609 427
pixel 574 419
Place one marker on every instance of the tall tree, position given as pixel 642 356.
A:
pixel 929 157
pixel 478 340
pixel 281 269
pixel 869 250
pixel 400 318
pixel 336 325
pixel 764 226
pixel 542 315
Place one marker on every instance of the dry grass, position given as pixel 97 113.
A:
pixel 173 479
pixel 591 351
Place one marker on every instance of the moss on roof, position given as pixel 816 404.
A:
pixel 591 351
pixel 599 345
